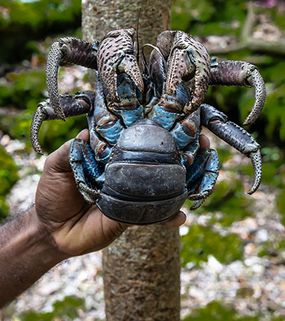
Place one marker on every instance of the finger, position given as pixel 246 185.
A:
pixel 84 135
pixel 204 142
pixel 59 160
pixel 176 221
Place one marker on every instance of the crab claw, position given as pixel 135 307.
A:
pixel 256 160
pixel 255 80
pixel 130 66
pixel 188 61
pixel 116 54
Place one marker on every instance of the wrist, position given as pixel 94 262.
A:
pixel 43 240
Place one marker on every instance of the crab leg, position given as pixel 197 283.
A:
pixel 186 134
pixel 202 176
pixel 243 74
pixel 88 173
pixel 70 106
pixel 236 136
pixel 63 52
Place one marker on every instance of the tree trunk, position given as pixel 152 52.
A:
pixel 141 268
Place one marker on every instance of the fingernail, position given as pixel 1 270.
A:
pixel 82 134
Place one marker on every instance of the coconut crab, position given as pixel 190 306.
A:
pixel 143 158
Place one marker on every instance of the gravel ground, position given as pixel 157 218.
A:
pixel 262 278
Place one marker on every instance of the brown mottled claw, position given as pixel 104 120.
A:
pixel 188 61
pixel 256 160
pixel 67 51
pixel 130 66
pixel 255 80
pixel 116 54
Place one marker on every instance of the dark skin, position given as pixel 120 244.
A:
pixel 60 225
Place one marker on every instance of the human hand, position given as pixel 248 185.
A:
pixel 75 226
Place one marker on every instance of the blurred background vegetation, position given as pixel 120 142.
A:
pixel 238 30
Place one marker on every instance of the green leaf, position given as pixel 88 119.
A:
pixel 216 311
pixel 201 241
pixel 8 172
pixel 66 309
pixel 280 202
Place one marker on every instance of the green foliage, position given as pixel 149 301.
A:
pixel 55 133
pixel 204 17
pixel 23 89
pixel 21 22
pixel 8 177
pixel 8 172
pixel 4 208
pixel 216 311
pixel 67 309
pixel 37 13
pixel 270 248
pixel 202 241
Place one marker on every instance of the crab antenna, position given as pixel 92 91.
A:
pixel 256 160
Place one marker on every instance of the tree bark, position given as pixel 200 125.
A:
pixel 141 268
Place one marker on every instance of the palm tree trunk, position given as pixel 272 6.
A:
pixel 141 268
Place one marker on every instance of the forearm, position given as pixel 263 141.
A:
pixel 26 253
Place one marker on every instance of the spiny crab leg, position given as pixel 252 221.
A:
pixel 257 167
pixel 188 61
pixel 256 81
pixel 63 52
pixel 116 54
pixel 70 105
pixel 242 74
pixel 235 136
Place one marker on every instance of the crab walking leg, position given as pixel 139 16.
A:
pixel 129 109
pixel 88 173
pixel 202 176
pixel 71 106
pixel 67 51
pixel 236 136
pixel 243 74
pixel 186 135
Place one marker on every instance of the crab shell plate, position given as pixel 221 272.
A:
pixel 144 180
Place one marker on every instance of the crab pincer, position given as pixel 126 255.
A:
pixel 116 55
pixel 188 62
